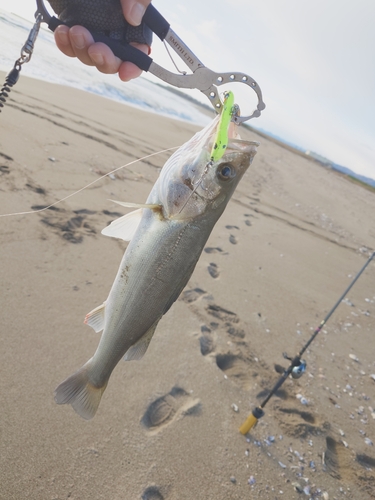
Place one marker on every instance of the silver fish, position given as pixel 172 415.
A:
pixel 167 236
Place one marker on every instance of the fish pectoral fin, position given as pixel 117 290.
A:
pixel 125 227
pixel 137 351
pixel 95 318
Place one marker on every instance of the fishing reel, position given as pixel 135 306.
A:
pixel 298 366
pixel 299 370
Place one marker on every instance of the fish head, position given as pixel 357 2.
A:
pixel 190 184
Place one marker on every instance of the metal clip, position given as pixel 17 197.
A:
pixel 27 49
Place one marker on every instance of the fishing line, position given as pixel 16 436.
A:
pixel 90 184
pixel 298 366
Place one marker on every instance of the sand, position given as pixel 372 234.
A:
pixel 289 243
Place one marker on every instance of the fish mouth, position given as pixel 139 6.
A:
pixel 235 143
pixel 242 146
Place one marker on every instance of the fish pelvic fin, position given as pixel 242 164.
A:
pixel 80 393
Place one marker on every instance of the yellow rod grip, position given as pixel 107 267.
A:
pixel 248 424
pixel 251 420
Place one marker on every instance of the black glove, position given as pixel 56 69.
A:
pixel 101 16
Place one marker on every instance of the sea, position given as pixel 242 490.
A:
pixel 50 65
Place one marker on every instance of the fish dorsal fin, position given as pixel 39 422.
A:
pixel 128 204
pixel 95 318
pixel 124 227
pixel 137 351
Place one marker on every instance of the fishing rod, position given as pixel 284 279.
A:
pixel 297 366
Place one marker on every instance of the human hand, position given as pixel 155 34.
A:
pixel 78 42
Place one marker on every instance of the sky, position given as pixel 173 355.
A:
pixel 314 62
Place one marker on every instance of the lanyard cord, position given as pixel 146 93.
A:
pixel 26 53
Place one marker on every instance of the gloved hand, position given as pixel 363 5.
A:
pixel 102 16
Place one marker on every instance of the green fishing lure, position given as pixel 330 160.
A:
pixel 221 139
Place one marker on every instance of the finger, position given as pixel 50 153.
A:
pixel 106 62
pixel 81 39
pixel 128 70
pixel 103 58
pixel 134 10
pixel 62 40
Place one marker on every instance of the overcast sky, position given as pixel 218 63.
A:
pixel 314 61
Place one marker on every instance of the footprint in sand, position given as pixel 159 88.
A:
pixel 72 229
pixel 207 344
pixel 168 408
pixel 239 363
pixel 232 238
pixel 280 393
pixel 207 340
pixel 366 461
pixel 192 295
pixel 236 333
pixel 36 189
pixel 6 157
pixel 241 368
pixel 299 423
pixel 4 169
pixel 112 214
pixel 337 459
pixel 339 463
pixel 222 314
pixel 213 270
pixel 247 220
pixel 152 493
pixel 213 250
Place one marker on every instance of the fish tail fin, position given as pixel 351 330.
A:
pixel 78 391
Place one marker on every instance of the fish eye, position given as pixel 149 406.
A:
pixel 225 172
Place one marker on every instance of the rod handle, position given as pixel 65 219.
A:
pixel 251 420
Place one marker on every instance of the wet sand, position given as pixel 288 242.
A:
pixel 289 243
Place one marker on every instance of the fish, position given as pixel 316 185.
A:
pixel 167 235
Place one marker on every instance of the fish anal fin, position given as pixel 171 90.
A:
pixel 125 227
pixel 137 351
pixel 95 318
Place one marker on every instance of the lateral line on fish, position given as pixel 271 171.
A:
pixel 28 212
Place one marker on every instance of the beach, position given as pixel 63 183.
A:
pixel 291 240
